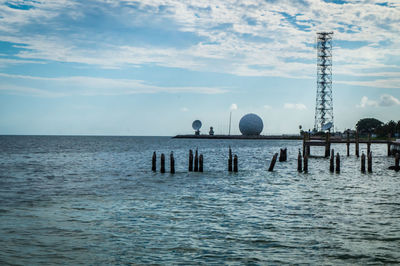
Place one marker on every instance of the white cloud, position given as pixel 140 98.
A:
pixel 388 100
pixel 233 107
pixel 366 102
pixel 246 38
pixel 296 106
pixel 82 85
pixel 268 107
pixel 385 100
pixel 184 109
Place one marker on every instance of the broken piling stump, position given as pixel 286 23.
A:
pixel 305 163
pixel 201 163
pixel 299 162
pixel 172 163
pixel 162 169
pixel 363 163
pixel 369 159
pixel 230 160
pixel 337 163
pixel 235 163
pixel 154 162
pixel 190 160
pixel 196 161
pixel 272 164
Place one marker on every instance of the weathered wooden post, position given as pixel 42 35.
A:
pixel 388 145
pixel 306 163
pixel 337 163
pixel 190 160
pixel 369 162
pixel 357 144
pixel 235 163
pixel 369 143
pixel 327 144
pixel 348 142
pixel 196 161
pixel 363 163
pixel 308 147
pixel 285 153
pixel 396 162
pixel 162 170
pixel 153 162
pixel 230 160
pixel 201 163
pixel 299 162
pixel 331 162
pixel 281 155
pixel 272 164
pixel 172 163
pixel 304 142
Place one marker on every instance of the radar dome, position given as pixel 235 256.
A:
pixel 196 125
pixel 250 125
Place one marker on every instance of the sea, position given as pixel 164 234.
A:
pixel 94 200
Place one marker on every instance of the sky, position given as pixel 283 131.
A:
pixel 122 67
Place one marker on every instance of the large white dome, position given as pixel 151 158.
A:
pixel 251 124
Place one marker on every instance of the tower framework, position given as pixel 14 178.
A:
pixel 324 102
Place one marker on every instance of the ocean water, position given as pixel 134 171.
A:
pixel 94 200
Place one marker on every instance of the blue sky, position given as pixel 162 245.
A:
pixel 152 67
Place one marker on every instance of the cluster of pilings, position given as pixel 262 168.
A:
pixel 162 163
pixel 282 158
pixel 234 162
pixel 196 161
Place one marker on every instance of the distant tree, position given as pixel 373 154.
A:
pixel 398 127
pixel 391 127
pixel 368 125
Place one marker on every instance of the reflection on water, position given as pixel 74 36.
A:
pixel 94 200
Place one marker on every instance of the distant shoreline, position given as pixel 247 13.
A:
pixel 276 137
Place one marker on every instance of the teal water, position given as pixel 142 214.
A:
pixel 94 200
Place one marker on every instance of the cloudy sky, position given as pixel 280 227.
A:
pixel 151 67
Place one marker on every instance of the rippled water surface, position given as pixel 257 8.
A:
pixel 94 200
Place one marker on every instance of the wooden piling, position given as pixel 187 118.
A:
pixel 369 143
pixel 348 142
pixel 396 162
pixel 362 163
pixel 172 163
pixel 190 160
pixel 369 162
pixel 230 160
pixel 305 164
pixel 337 163
pixel 235 163
pixel 272 164
pixel 357 145
pixel 327 144
pixel 331 163
pixel 154 162
pixel 388 145
pixel 162 169
pixel 283 155
pixel 281 158
pixel 299 162
pixel 201 163
pixel 304 141
pixel 196 161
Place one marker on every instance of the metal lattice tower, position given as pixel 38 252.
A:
pixel 324 103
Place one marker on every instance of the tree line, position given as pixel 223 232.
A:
pixel 375 126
